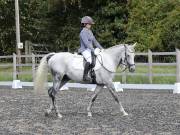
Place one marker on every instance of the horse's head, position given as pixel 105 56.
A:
pixel 128 57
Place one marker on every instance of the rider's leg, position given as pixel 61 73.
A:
pixel 86 70
pixel 87 56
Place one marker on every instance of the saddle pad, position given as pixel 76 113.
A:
pixel 77 63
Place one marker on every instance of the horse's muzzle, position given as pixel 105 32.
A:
pixel 132 68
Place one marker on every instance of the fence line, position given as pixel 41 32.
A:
pixel 91 87
pixel 124 75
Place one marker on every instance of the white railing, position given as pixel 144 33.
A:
pixel 32 61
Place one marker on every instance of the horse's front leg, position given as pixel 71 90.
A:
pixel 93 98
pixel 112 90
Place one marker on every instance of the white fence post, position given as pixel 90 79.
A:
pixel 177 84
pixel 124 77
pixel 33 66
pixel 178 65
pixel 14 67
pixel 150 66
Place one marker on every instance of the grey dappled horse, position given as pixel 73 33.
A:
pixel 60 65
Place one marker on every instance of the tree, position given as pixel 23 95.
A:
pixel 153 23
pixel 7 29
pixel 111 22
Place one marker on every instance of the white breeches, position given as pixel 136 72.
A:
pixel 87 55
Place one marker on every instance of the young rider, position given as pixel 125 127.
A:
pixel 87 40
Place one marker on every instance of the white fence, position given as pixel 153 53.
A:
pixel 33 61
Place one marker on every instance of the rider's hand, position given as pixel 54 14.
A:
pixel 97 51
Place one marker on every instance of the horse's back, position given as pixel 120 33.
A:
pixel 60 60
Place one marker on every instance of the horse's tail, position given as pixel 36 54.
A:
pixel 41 74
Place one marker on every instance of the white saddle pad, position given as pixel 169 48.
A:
pixel 77 63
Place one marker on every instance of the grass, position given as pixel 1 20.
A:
pixel 6 75
pixel 145 79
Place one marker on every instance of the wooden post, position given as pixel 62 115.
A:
pixel 27 44
pixel 14 67
pixel 124 77
pixel 30 47
pixel 18 41
pixel 33 67
pixel 150 66
pixel 177 65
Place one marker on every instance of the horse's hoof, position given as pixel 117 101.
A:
pixel 59 116
pixel 89 114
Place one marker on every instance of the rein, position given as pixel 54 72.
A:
pixel 102 64
pixel 123 63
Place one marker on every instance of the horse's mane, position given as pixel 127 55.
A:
pixel 119 45
pixel 115 46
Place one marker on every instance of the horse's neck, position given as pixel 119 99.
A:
pixel 116 53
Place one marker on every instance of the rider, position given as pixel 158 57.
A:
pixel 87 40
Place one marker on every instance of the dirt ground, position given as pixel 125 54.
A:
pixel 150 113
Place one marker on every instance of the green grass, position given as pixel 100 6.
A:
pixel 6 75
pixel 156 79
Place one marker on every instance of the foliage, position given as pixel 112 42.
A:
pixel 33 23
pixel 153 24
pixel 111 22
pixel 7 28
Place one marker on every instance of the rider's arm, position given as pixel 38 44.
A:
pixel 87 43
pixel 96 43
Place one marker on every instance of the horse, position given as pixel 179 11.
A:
pixel 62 70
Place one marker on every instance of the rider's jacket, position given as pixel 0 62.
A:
pixel 87 40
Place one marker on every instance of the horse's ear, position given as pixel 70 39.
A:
pixel 134 45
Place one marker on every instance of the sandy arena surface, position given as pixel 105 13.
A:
pixel 150 113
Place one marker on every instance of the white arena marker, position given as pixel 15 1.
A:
pixel 176 88
pixel 91 89
pixel 64 88
pixel 16 84
pixel 117 86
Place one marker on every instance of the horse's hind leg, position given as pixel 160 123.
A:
pixel 115 96
pixel 57 84
pixel 52 93
pixel 53 105
pixel 93 98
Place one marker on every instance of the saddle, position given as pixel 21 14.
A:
pixel 97 62
pixel 79 63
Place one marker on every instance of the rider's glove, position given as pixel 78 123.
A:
pixel 97 51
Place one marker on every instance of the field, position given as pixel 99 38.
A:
pixel 150 113
pixel 6 75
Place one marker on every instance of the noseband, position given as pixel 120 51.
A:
pixel 123 62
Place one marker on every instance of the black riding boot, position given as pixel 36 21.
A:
pixel 86 70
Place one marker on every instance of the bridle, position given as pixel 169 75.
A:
pixel 125 62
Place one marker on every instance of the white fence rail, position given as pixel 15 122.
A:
pixel 32 61
pixel 119 87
